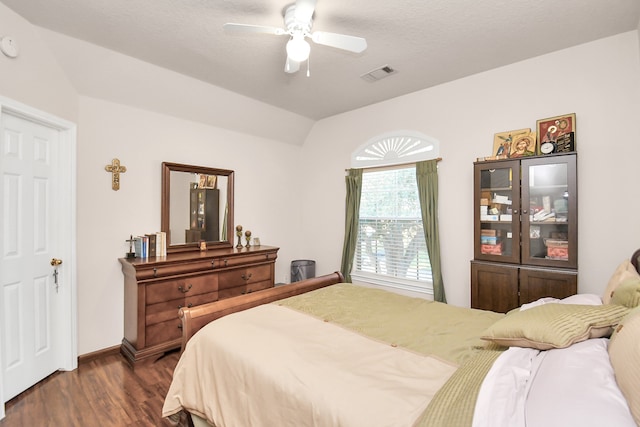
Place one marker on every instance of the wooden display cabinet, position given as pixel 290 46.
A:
pixel 203 215
pixel 525 231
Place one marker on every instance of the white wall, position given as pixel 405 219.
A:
pixel 265 193
pixel 34 77
pixel 102 73
pixel 599 81
pixel 293 197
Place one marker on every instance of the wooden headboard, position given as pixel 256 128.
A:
pixel 196 317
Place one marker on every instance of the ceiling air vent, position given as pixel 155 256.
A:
pixel 378 73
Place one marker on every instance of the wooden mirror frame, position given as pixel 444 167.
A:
pixel 167 168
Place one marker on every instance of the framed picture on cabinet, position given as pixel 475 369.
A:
pixel 503 141
pixel 557 134
pixel 524 145
pixel 211 181
pixel 202 181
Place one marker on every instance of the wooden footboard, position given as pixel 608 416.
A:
pixel 196 317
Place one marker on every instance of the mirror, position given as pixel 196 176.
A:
pixel 197 205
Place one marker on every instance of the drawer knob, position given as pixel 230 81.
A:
pixel 183 290
pixel 226 262
pixel 155 272
pixel 246 276
pixel 188 306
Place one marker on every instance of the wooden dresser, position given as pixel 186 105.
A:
pixel 156 288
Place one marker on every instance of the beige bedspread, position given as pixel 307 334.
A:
pixel 275 366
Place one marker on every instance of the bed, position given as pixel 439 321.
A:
pixel 325 353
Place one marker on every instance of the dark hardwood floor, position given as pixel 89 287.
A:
pixel 101 392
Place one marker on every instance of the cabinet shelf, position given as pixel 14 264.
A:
pixel 496 189
pixel 549 222
pixel 548 187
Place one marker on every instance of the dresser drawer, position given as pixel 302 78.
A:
pixel 246 259
pixel 160 271
pixel 163 311
pixel 193 300
pixel 162 332
pixel 181 288
pixel 243 289
pixel 244 276
pixel 168 310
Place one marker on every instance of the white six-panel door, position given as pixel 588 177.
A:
pixel 35 330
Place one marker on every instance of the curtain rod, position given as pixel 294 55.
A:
pixel 438 159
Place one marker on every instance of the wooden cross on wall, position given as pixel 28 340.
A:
pixel 115 170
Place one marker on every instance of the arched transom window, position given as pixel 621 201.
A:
pixel 395 148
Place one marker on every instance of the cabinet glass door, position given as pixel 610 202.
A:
pixel 497 201
pixel 549 201
pixel 196 216
pixel 197 209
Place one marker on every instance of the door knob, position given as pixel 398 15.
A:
pixel 56 261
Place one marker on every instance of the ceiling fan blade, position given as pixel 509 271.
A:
pixel 304 10
pixel 340 41
pixel 291 66
pixel 247 28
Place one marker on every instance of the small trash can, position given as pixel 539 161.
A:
pixel 302 269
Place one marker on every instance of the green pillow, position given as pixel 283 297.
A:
pixel 627 293
pixel 555 325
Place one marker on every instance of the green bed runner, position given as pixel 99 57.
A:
pixel 426 327
pixel 454 404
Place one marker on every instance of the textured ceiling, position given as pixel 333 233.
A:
pixel 427 42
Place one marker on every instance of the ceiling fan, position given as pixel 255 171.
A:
pixel 298 20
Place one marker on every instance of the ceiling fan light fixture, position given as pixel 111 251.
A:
pixel 298 48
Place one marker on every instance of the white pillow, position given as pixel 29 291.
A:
pixel 579 299
pixel 576 386
pixel 582 299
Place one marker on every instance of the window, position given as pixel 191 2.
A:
pixel 391 249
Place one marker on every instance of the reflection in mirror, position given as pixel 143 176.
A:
pixel 197 205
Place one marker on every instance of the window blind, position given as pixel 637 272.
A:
pixel 391 245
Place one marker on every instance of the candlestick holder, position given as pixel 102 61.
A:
pixel 247 235
pixel 239 234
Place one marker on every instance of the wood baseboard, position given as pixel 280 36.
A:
pixel 88 357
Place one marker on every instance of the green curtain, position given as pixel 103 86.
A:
pixel 352 211
pixel 427 179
